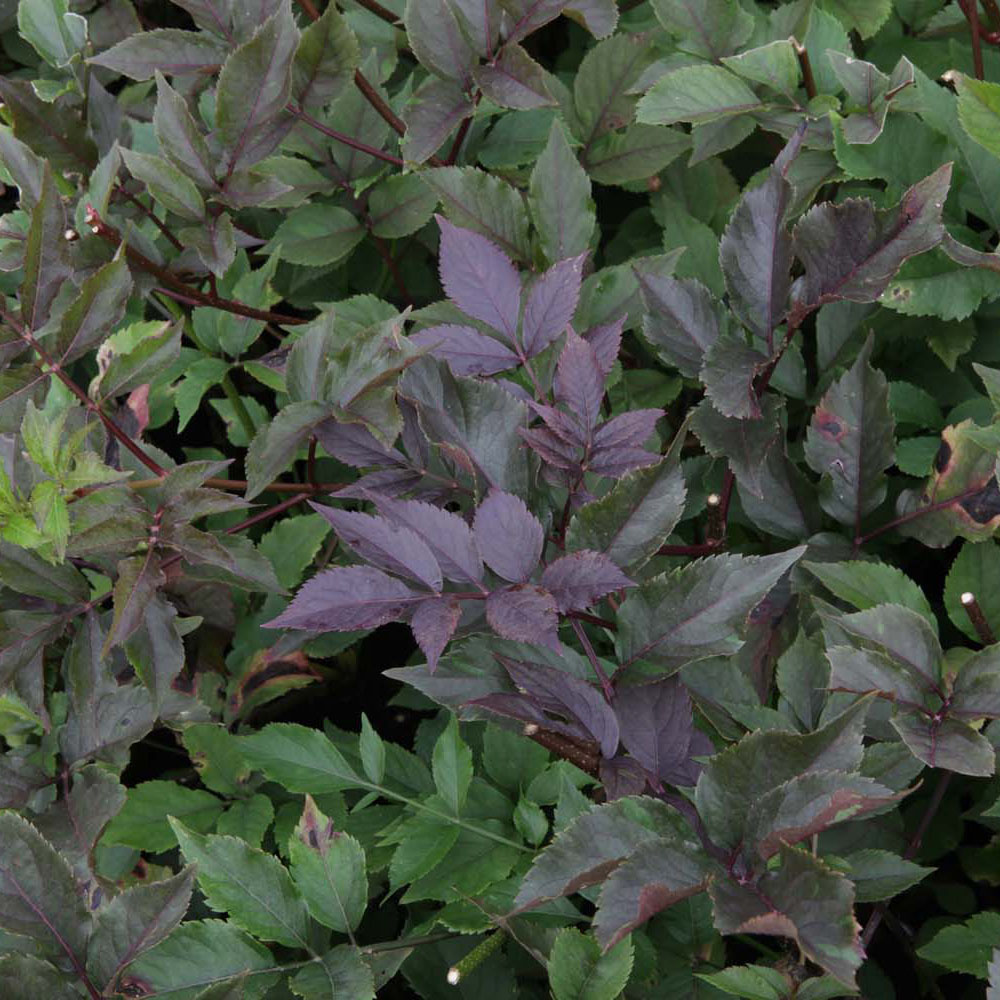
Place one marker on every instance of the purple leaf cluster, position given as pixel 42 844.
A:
pixel 414 552
pixel 653 722
pixel 572 440
pixel 482 281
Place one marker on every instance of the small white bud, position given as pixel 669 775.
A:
pixel 453 976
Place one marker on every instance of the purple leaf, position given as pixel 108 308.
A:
pixel 551 303
pixel 525 613
pixel 683 319
pixel 627 430
pixel 479 278
pixel 385 545
pixel 561 424
pixel 521 707
pixel 560 693
pixel 347 598
pixel 552 449
pixel 621 776
pixel 616 462
pixel 514 80
pixel 447 535
pixel 851 251
pixel 509 536
pixel 433 623
pixel 581 578
pixel 658 729
pixel 467 351
pixel 389 482
pixel 606 340
pixel 756 251
pixel 579 382
pixel 355 445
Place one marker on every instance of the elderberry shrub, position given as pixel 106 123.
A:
pixel 618 378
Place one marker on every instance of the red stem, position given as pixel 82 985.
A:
pixel 971 10
pixel 361 147
pixel 919 512
pixel 194 295
pixel 112 428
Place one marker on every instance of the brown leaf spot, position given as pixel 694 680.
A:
pixel 829 425
pixel 984 505
pixel 943 457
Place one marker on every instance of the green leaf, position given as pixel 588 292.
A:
pixel 635 153
pixel 199 377
pixel 202 952
pixel 247 819
pixel 603 96
pixel 865 584
pixel 147 359
pixel 863 16
pixel 633 519
pixel 696 610
pixel 143 823
pixel 254 86
pixel 754 982
pixel 976 570
pixel 274 447
pixel 932 285
pixel 559 197
pixel 105 717
pixel 803 900
pixel 135 921
pixel 316 235
pixel 735 782
pixel 579 971
pixel 425 842
pixel 39 898
pixel 400 204
pixel 696 94
pixel 325 60
pixel 26 573
pixel 658 874
pixel 979 111
pixel 178 134
pixel 292 545
pixel 948 744
pixel 97 308
pixel 300 759
pixel 965 947
pixel 850 442
pixel 476 200
pixel 215 753
pixel 451 765
pixel 591 846
pixel 329 869
pixel 964 474
pixel 371 748
pixel 164 50
pixel 342 972
pixel 437 40
pixel 23 977
pixel 253 887
pixel 51 31
pixel 478 417
pixel 139 578
pixel 46 255
pixel 167 184
pixel 776 65
pixel 881 875
pixel 710 29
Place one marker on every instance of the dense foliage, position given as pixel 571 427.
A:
pixel 640 360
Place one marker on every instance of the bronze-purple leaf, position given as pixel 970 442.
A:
pixel 509 536
pixel 581 578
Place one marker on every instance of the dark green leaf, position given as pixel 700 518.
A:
pixel 579 971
